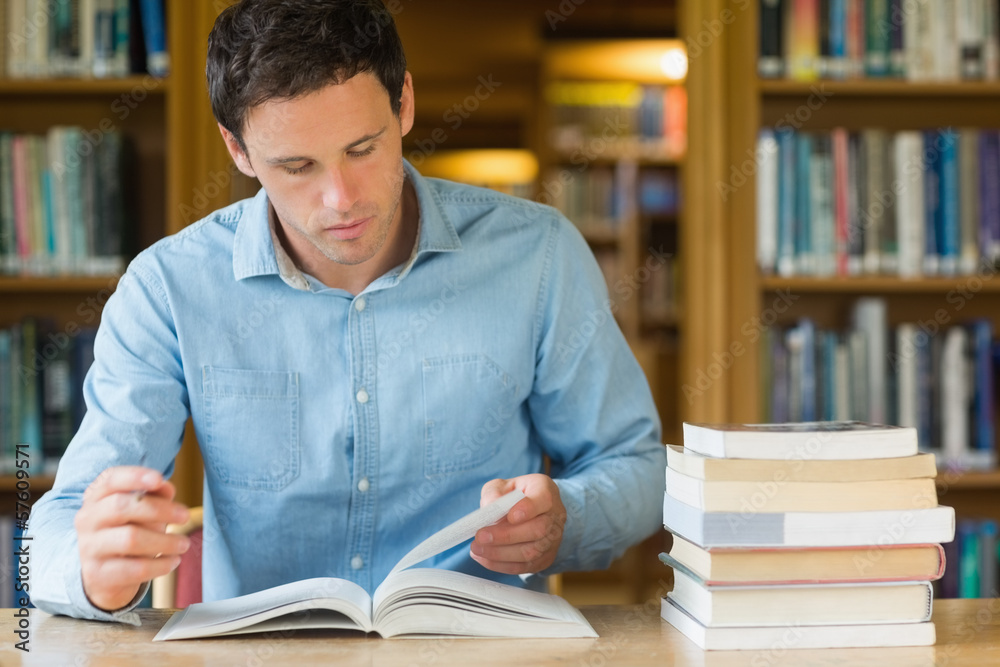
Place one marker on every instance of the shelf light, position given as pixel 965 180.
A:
pixel 674 63
pixel 492 166
pixel 647 61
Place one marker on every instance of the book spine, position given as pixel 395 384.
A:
pixel 855 196
pixel 932 203
pixel 897 47
pixel 991 40
pixel 154 32
pixel 984 435
pixel 989 193
pixel 988 575
pixel 969 28
pixel 949 227
pixel 804 40
pixel 968 566
pixel 877 38
pixel 804 256
pixel 770 64
pixel 968 206
pixel 841 206
pixel 955 397
pixel 838 39
pixel 786 202
pixel 767 201
pixel 908 147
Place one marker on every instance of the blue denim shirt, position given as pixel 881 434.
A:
pixel 338 431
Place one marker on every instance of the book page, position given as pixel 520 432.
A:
pixel 225 616
pixel 459 531
pixel 454 603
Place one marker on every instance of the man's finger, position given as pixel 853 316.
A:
pixel 495 488
pixel 506 533
pixel 121 508
pixel 133 541
pixel 124 478
pixel 134 570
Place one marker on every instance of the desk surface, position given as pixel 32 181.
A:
pixel 968 634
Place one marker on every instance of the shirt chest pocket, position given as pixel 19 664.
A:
pixel 251 427
pixel 468 404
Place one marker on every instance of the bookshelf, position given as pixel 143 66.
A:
pixel 619 181
pixel 746 294
pixel 168 121
pixel 611 142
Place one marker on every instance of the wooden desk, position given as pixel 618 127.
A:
pixel 968 635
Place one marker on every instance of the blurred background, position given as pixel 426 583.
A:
pixel 107 143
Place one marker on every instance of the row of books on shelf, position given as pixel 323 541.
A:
pixel 656 284
pixel 42 367
pixel 591 120
pixel 601 198
pixel 939 380
pixel 832 529
pixel 83 38
pixel 63 202
pixel 873 202
pixel 974 567
pixel 922 40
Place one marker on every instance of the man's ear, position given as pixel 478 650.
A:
pixel 239 157
pixel 406 106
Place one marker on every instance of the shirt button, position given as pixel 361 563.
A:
pixel 363 485
pixel 362 396
pixel 359 304
pixel 357 563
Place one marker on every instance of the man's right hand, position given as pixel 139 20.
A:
pixel 121 533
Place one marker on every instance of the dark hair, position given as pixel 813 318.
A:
pixel 280 49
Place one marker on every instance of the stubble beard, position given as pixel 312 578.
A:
pixel 382 229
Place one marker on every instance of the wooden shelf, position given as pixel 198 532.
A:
pixel 889 284
pixel 38 485
pixel 151 86
pixel 56 284
pixel 880 88
pixel 603 237
pixel 952 480
pixel 660 320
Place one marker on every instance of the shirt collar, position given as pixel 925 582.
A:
pixel 257 252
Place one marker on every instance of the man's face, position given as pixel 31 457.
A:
pixel 331 163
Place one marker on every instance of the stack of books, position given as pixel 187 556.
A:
pixel 803 535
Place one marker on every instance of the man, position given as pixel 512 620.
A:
pixel 366 354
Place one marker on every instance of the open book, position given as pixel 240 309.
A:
pixel 413 602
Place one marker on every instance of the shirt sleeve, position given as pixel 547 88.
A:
pixel 592 410
pixel 137 405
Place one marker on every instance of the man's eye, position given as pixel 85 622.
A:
pixel 296 170
pixel 367 151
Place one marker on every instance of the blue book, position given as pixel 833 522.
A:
pixel 804 260
pixel 967 536
pixel 154 31
pixel 932 204
pixel 989 194
pixel 838 41
pixel 982 424
pixel 876 21
pixel 949 228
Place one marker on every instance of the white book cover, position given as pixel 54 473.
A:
pixel 907 155
pixel 780 638
pixel 767 201
pixel 955 395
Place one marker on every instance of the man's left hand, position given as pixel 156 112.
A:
pixel 528 538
